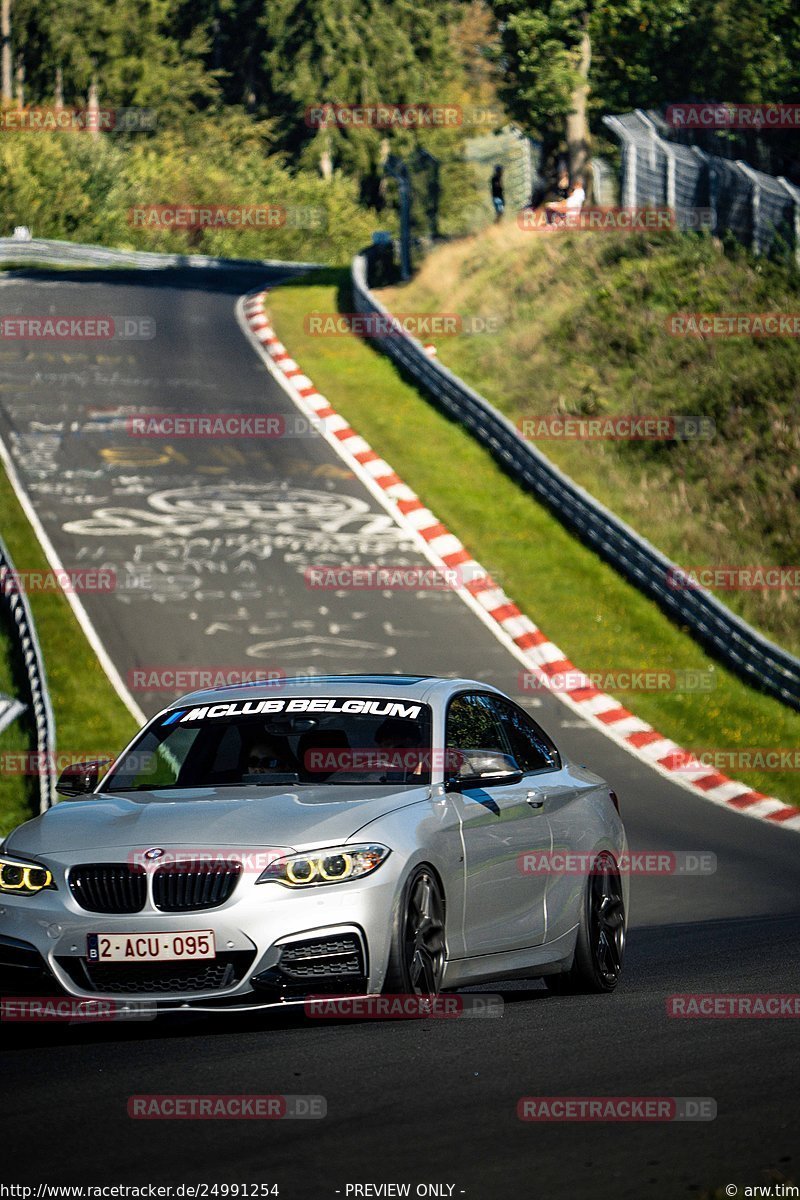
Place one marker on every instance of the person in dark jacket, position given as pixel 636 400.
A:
pixel 498 194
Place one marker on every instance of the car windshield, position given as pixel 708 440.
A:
pixel 281 742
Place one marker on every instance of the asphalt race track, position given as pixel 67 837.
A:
pixel 209 541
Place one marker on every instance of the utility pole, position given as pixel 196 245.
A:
pixel 5 64
pixel 398 170
pixel 93 111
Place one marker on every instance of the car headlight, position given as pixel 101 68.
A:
pixel 335 865
pixel 19 878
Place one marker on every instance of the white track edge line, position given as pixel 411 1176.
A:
pixel 80 613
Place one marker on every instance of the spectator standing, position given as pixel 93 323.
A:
pixel 498 193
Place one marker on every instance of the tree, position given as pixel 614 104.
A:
pixel 129 46
pixel 5 34
pixel 390 51
pixel 568 62
pixel 546 53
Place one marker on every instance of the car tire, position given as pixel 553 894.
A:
pixel 600 947
pixel 417 957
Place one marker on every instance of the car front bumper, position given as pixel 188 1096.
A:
pixel 271 943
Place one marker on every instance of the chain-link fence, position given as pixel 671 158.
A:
pixel 705 190
pixel 520 158
pixel 604 183
pixel 418 182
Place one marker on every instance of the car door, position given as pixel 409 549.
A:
pixel 503 906
pixel 561 799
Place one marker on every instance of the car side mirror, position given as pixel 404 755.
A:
pixel 78 779
pixel 481 769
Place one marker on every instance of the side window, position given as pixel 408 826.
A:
pixel 530 745
pixel 472 724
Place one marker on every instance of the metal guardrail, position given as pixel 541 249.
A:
pixel 41 250
pixel 13 598
pixel 731 640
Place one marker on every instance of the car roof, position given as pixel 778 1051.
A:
pixel 418 687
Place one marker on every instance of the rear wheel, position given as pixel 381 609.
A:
pixel 416 964
pixel 600 948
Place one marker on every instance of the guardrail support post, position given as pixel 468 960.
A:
pixel 794 196
pixel 711 185
pixel 755 204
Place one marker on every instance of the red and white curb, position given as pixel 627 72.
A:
pixel 516 630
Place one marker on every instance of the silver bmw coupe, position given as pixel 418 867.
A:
pixel 339 835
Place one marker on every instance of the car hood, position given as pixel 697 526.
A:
pixel 208 818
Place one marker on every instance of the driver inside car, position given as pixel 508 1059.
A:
pixel 267 755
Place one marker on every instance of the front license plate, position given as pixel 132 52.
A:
pixel 149 947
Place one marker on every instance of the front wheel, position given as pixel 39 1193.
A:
pixel 416 963
pixel 600 948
